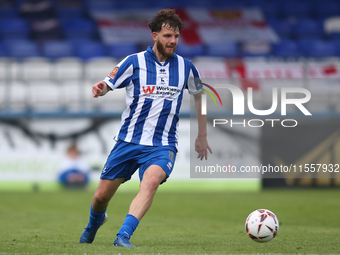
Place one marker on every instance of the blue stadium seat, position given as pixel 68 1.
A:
pixel 134 4
pixel 6 3
pixel 271 10
pixel 308 29
pixel 78 28
pixel 90 49
pixel 336 42
pixel 57 49
pixel 8 12
pixel 304 45
pixel 317 48
pixel 225 4
pixel 190 50
pixel 70 12
pixel 76 41
pixel 286 49
pixel 254 3
pixel 121 50
pixel 21 48
pixel 255 49
pixel 14 28
pixel 222 49
pixel 100 5
pixel 295 9
pixel 3 51
pixel 282 27
pixel 333 35
pixel 326 8
pixel 168 4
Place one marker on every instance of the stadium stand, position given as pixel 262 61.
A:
pixel 65 11
pixel 332 27
pixel 325 9
pixel 36 9
pixel 14 28
pixel 68 69
pixel 283 27
pixel 90 49
pixel 57 49
pixel 295 9
pixel 17 96
pixel 68 73
pixel 67 37
pixel 3 51
pixel 254 3
pixel 35 69
pixel 21 48
pixel 271 10
pixel 8 10
pixel 46 29
pixel 121 50
pixel 255 49
pixel 190 50
pixel 317 48
pixel 308 28
pixel 78 28
pixel 97 68
pixel 223 49
pixel 287 49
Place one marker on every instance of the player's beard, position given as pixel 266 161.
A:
pixel 163 51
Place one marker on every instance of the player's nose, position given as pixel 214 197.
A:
pixel 173 40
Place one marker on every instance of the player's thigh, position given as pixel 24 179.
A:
pixel 158 159
pixel 107 188
pixel 122 161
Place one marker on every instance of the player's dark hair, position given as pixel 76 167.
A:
pixel 165 16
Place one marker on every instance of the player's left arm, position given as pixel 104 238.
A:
pixel 201 143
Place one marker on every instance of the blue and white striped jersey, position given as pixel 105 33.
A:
pixel 154 93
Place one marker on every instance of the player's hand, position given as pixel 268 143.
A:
pixel 97 89
pixel 202 147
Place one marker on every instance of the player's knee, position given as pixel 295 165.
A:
pixel 101 198
pixel 152 183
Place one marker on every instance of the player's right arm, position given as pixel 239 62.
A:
pixel 100 89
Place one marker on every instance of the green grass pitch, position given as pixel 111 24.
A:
pixel 180 221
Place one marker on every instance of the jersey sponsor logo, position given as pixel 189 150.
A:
pixel 148 89
pixel 113 73
pixel 159 91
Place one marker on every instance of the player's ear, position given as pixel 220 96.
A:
pixel 154 36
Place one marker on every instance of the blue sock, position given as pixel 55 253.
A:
pixel 96 218
pixel 129 226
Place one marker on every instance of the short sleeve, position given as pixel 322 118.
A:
pixel 194 84
pixel 121 75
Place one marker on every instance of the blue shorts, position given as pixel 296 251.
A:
pixel 125 158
